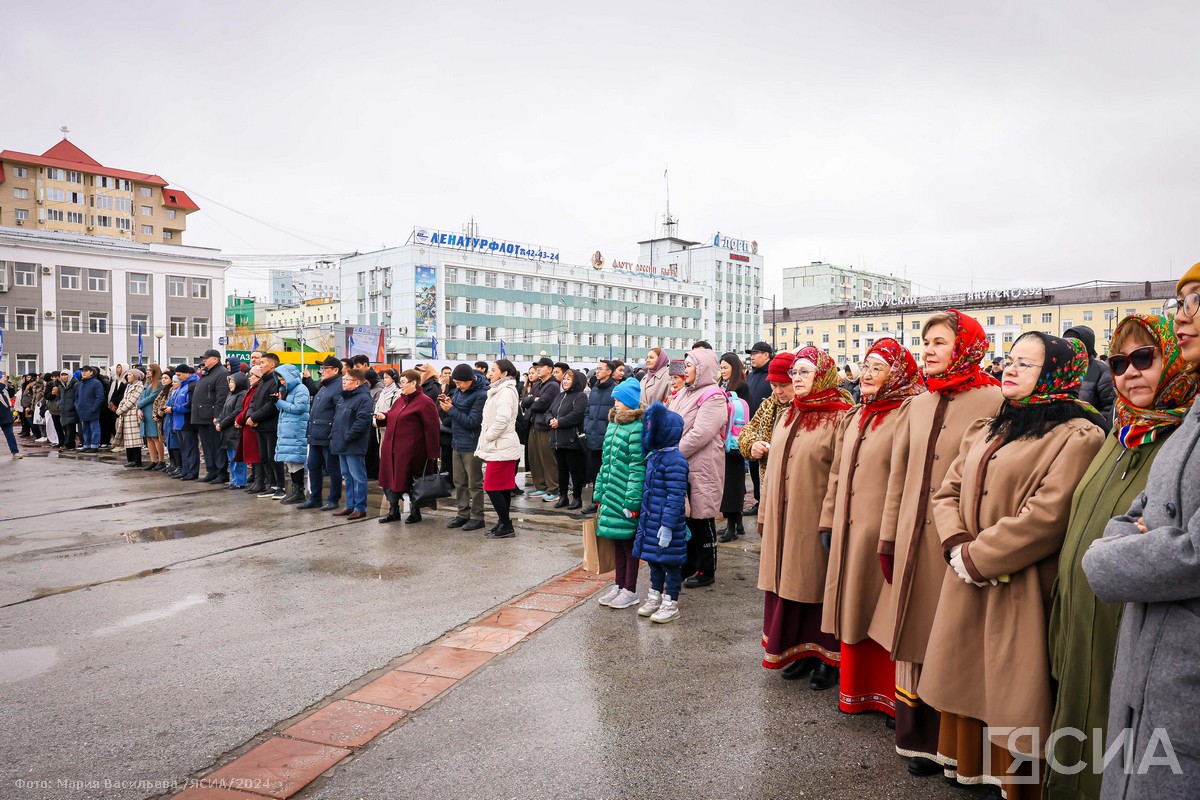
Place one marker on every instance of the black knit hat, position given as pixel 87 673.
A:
pixel 463 372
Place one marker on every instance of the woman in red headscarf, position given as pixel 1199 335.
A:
pixel 792 567
pixel 929 429
pixel 852 513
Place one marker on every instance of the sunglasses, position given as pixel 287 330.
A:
pixel 1141 358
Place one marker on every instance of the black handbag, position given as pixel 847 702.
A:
pixel 431 486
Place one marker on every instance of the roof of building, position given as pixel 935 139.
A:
pixel 65 155
pixel 177 198
pixel 1095 293
pixel 27 238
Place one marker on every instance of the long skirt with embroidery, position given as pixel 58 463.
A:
pixel 868 679
pixel 792 631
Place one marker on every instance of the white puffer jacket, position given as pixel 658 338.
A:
pixel 498 437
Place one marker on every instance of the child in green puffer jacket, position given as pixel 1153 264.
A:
pixel 618 489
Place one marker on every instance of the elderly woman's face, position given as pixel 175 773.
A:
pixel 1139 385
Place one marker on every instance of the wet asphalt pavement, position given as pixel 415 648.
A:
pixel 149 628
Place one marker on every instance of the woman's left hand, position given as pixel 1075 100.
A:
pixel 553 423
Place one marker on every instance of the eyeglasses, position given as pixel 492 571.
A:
pixel 1141 358
pixel 875 370
pixel 800 373
pixel 1021 364
pixel 1190 304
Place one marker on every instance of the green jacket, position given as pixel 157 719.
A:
pixel 622 473
pixel 1083 630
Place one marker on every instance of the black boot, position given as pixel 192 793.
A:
pixel 414 514
pixel 799 669
pixel 296 493
pixel 575 505
pixel 393 514
pixel 823 677
pixel 728 535
pixel 260 482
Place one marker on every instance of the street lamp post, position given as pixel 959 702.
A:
pixel 159 334
pixel 774 320
pixel 625 357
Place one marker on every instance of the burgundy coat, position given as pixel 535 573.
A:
pixel 247 449
pixel 411 441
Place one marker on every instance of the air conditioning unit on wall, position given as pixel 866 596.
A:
pixel 47 270
pixel 49 315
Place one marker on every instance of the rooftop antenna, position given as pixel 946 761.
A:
pixel 669 222
pixel 64 130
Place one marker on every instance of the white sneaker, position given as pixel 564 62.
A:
pixel 653 601
pixel 608 596
pixel 667 612
pixel 43 439
pixel 624 600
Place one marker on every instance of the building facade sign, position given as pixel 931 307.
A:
pixel 426 301
pixel 737 245
pixel 951 300
pixel 429 237
pixel 670 271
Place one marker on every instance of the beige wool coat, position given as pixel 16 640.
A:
pixel 703 442
pixel 656 388
pixel 792 563
pixel 853 511
pixel 929 431
pixel 1009 506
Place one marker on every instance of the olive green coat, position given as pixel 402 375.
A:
pixel 622 473
pixel 1083 630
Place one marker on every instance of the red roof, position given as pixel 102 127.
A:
pixel 65 155
pixel 176 198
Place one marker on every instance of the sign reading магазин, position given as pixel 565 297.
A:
pixel 460 241
pixel 951 300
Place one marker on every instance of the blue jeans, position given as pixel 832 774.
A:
pixel 12 440
pixel 91 432
pixel 322 462
pixel 666 579
pixel 354 471
pixel 237 470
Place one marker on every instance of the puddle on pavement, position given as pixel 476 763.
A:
pixel 337 567
pixel 179 530
pixel 153 615
pixel 50 591
pixel 17 665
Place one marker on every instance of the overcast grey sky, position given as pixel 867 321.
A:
pixel 980 143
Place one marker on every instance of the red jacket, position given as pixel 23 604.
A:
pixel 247 449
pixel 411 442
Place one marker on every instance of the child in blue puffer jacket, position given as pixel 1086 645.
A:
pixel 662 532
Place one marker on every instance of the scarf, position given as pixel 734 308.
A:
pixel 1173 396
pixel 820 405
pixel 903 381
pixel 1064 369
pixel 970 346
pixel 663 363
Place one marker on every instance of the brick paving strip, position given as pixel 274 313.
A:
pixel 284 760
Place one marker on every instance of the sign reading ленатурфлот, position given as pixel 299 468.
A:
pixel 460 241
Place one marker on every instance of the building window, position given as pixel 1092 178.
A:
pixel 71 322
pixel 97 322
pixel 124 224
pixel 102 201
pixel 489 280
pixel 21 214
pixel 68 277
pixel 71 363
pixel 97 280
pixel 176 286
pixel 178 327
pixel 1087 316
pixel 544 311
pixel 200 327
pixel 991 321
pixel 854 328
pixel 125 204
pixel 26 319
pixel 147 191
pixel 54 174
pixel 54 214
pixel 27 362
pixel 148 230
pixel 510 281
pixel 20 172
pixel 824 338
pixel 870 327
pixel 21 194
pixel 25 273
pixel 170 213
pixel 139 322
pixel 527 284
pixel 841 344
pixel 104 220
pixel 1008 337
pixel 99 362
pixel 472 305
pixel 139 283
pixel 1027 319
pixel 199 288
pixel 74 177
pixel 168 236
pixel 1129 312
pixel 147 211
pixel 75 217
pixel 489 306
pixel 1048 317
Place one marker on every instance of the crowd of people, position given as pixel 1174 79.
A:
pixel 968 551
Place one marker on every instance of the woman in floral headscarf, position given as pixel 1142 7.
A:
pixel 1001 514
pixel 929 429
pixel 852 512
pixel 792 566
pixel 1155 389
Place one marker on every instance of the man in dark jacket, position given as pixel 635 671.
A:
pixel 756 383
pixel 543 468
pixel 66 409
pixel 595 424
pixel 464 410
pixel 264 419
pixel 321 458
pixel 1097 387
pixel 89 401
pixel 208 399
pixel 230 433
pixel 350 438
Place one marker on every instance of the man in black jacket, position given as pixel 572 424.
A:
pixel 321 458
pixel 208 398
pixel 756 382
pixel 1097 387
pixel 264 418
pixel 543 468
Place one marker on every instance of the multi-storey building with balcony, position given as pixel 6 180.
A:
pixel 818 282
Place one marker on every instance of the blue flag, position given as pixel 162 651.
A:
pixel 255 347
pixel 140 327
pixel 433 347
pixel 503 354
pixel 610 351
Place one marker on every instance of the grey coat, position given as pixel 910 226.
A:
pixel 1156 680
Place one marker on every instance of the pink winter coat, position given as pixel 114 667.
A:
pixel 703 442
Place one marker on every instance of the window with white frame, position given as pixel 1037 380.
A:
pixel 20 172
pixel 70 321
pixel 1047 317
pixel 25 274
pixel 199 288
pixel 104 221
pixel 1087 316
pixel 510 281
pixel 489 334
pixel 125 204
pixel 178 327
pixel 77 198
pixel 124 184
pixel 54 214
pixel 200 327
pixel 170 213
pixel 54 174
pixel 124 224
pixel 71 363
pixel 25 319
pixel 147 191
pixel 489 306
pixel 98 361
pixel 75 217
pixel 27 362
pixel 97 322
pixel 139 283
pixel 168 236
pixel 472 305
pixel 527 284
pixel 3 318
pixel 148 230
pixel 489 280
pixel 176 286
pixel 139 322
pixel 104 201
pixel 147 211
pixel 21 214
pixel 97 280
pixel 68 277
pixel 104 182
pixel 21 194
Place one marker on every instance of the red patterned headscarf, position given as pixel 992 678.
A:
pixel 903 380
pixel 826 399
pixel 970 346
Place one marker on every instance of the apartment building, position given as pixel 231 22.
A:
pixel 66 190
pixel 817 282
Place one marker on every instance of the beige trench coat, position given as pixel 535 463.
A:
pixel 929 431
pixel 987 656
pixel 853 510
pixel 793 563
